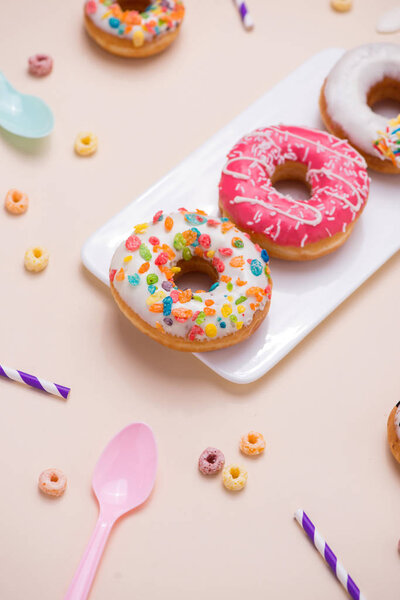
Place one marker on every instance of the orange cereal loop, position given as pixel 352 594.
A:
pixel 181 314
pixel 209 302
pixel 198 251
pixel 210 312
pixel 156 307
pixel 168 223
pixel 201 212
pixel 240 282
pixel 252 443
pixel 185 295
pixel 226 226
pixel 189 236
pixel 16 202
pixel 144 267
pixel 52 482
pixel 120 276
pixel 237 261
pixel 225 278
pixel 169 251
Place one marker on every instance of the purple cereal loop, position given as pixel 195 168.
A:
pixel 40 65
pixel 211 461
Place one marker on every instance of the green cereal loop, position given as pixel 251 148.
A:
pixel 229 287
pixel 151 278
pixel 241 300
pixel 200 318
pixel 198 298
pixel 233 318
pixel 179 241
pixel 238 243
pixel 187 255
pixel 144 252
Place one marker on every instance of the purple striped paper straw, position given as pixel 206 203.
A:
pixel 244 14
pixel 323 548
pixel 35 382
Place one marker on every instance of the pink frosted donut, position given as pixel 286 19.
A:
pixel 40 65
pixel 287 228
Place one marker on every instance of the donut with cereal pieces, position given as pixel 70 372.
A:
pixel 287 228
pixel 145 271
pixel 362 77
pixel 134 28
pixel 393 432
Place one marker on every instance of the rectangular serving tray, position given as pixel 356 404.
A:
pixel 304 293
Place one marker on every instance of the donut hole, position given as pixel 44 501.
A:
pixel 211 458
pixel 384 98
pixel 86 140
pixel 290 179
pixel 196 274
pixel 252 438
pixel 16 196
pixel 137 5
pixel 54 478
pixel 235 472
pixel 37 253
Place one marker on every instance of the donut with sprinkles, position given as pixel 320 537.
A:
pixel 144 280
pixel 393 432
pixel 133 28
pixel 288 228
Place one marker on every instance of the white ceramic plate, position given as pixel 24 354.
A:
pixel 304 293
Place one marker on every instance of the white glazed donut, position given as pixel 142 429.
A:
pixel 142 281
pixel 362 77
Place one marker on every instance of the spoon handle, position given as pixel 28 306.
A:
pixel 80 585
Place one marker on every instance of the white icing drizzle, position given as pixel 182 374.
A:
pixel 397 422
pixel 330 173
pixel 296 203
pixel 347 87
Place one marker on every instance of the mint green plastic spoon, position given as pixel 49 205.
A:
pixel 23 115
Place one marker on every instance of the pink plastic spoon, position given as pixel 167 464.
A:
pixel 123 479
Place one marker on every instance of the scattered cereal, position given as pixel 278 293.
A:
pixel 234 477
pixel 16 202
pixel 36 259
pixel 252 443
pixel 342 5
pixel 211 461
pixel 86 143
pixel 52 482
pixel 40 65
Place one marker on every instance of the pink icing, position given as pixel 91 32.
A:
pixel 336 173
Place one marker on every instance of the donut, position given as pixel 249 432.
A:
pixel 288 228
pixel 393 431
pixel 133 28
pixel 363 76
pixel 145 271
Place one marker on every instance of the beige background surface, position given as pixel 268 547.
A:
pixel 323 409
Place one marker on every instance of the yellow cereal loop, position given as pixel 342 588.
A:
pixel 141 228
pixel 210 253
pixel 138 38
pixel 127 258
pixel 342 5
pixel 241 309
pixel 156 297
pixel 211 330
pixel 86 143
pixel 239 324
pixel 234 477
pixel 36 259
pixel 226 310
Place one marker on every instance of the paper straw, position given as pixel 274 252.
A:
pixel 244 14
pixel 323 548
pixel 35 382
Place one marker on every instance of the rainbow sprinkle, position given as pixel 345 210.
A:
pixel 388 142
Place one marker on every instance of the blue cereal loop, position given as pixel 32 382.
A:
pixel 134 279
pixel 113 22
pixel 167 304
pixel 222 324
pixel 195 219
pixel 256 267
pixel 214 286
pixel 264 255
pixel 152 289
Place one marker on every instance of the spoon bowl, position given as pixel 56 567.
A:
pixel 123 479
pixel 23 115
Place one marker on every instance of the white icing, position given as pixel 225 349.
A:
pixel 347 86
pixel 136 296
pixel 389 22
pixel 397 422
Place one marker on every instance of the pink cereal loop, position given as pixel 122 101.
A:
pixel 52 482
pixel 252 443
pixel 40 65
pixel 211 461
pixel 16 202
